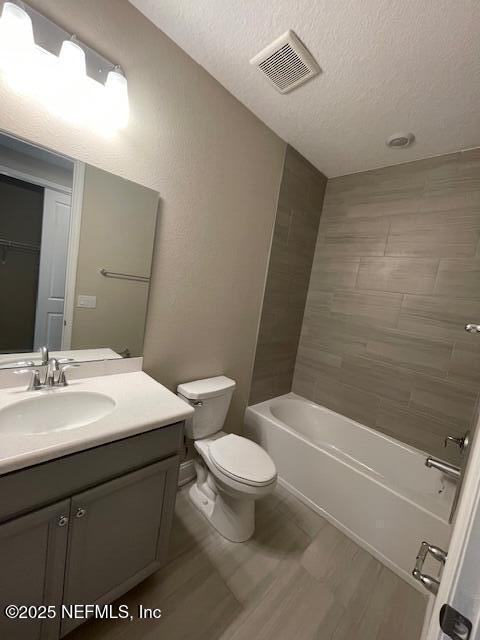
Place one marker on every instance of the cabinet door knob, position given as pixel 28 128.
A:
pixel 80 512
pixel 62 521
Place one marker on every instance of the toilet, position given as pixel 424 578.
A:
pixel 232 471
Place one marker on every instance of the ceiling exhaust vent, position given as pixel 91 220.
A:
pixel 286 63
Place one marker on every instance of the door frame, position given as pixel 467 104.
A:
pixel 76 191
pixel 73 250
pixel 50 198
pixel 33 179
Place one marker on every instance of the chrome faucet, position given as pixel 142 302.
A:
pixel 52 368
pixel 448 469
pixel 51 380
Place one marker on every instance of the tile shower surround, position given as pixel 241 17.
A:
pixel 395 278
pixel 293 246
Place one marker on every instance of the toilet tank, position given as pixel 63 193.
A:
pixel 211 399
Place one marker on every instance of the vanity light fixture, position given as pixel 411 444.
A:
pixel 65 75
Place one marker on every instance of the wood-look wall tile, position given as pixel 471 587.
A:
pixel 319 301
pixel 282 227
pixel 293 191
pixel 303 383
pixel 312 361
pixel 394 279
pixel 346 400
pixel 291 257
pixel 334 335
pixel 302 237
pixel 263 387
pixel 437 316
pixel 459 278
pixel 377 308
pixel 464 367
pixel 420 430
pixel 387 381
pixel 353 238
pixel 284 259
pixel 458 190
pixel 386 204
pixel 442 399
pixel 276 294
pixel 334 273
pixel 447 234
pixel 403 275
pixel 419 353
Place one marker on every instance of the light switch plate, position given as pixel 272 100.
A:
pixel 87 302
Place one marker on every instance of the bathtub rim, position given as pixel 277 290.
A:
pixel 295 396
pixel 381 481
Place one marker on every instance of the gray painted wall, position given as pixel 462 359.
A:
pixel 396 275
pixel 293 246
pixel 217 168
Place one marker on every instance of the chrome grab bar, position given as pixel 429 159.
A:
pixel 448 469
pixel 123 276
pixel 430 584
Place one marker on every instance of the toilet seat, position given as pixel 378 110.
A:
pixel 242 460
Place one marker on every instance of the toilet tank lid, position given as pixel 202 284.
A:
pixel 208 388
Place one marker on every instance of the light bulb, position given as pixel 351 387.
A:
pixel 117 98
pixel 16 39
pixel 16 26
pixel 72 59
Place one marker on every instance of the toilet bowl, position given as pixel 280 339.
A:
pixel 232 472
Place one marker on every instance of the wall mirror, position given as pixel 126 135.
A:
pixel 76 247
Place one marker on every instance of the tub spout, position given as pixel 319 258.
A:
pixel 448 469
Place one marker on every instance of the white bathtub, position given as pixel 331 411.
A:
pixel 372 487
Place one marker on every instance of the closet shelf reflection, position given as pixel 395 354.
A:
pixel 5 245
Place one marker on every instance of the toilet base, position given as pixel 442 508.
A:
pixel 232 517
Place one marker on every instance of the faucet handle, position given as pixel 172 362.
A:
pixel 62 380
pixel 461 441
pixel 35 379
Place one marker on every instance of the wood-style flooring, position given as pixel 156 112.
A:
pixel 298 578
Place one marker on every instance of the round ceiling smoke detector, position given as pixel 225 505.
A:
pixel 400 140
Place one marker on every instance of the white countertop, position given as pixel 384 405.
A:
pixel 142 404
pixel 8 360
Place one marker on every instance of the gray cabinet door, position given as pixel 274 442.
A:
pixel 32 563
pixel 117 535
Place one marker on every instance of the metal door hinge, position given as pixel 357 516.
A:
pixel 453 624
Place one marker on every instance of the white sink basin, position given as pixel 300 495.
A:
pixel 54 411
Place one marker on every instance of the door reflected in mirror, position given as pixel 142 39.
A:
pixel 76 247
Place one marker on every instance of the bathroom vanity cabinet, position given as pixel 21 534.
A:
pixel 85 528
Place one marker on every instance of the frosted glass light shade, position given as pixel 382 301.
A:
pixel 17 46
pixel 16 33
pixel 72 59
pixel 16 27
pixel 117 89
pixel 60 82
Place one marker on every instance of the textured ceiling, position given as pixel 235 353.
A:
pixel 388 66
